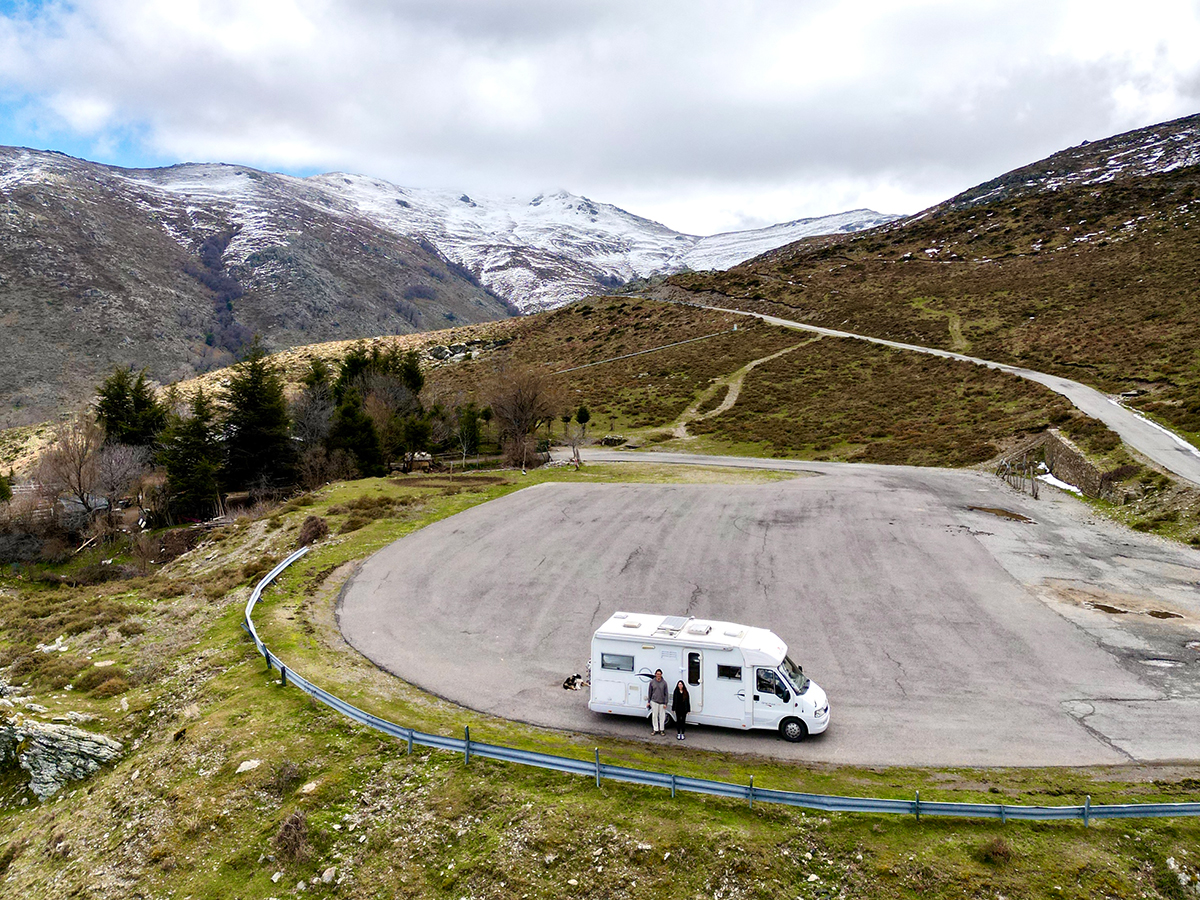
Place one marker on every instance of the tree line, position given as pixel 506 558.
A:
pixel 364 415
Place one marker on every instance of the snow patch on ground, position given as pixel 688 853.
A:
pixel 1059 483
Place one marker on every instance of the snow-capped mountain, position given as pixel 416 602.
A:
pixel 178 268
pixel 536 253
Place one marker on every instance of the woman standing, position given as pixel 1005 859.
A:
pixel 681 705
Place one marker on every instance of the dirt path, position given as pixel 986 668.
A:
pixel 732 385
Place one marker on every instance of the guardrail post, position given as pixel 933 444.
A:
pixel 917 806
pixel 410 734
pixel 597 767
pixel 1003 814
pixel 282 675
pixel 752 792
pixel 672 785
pixel 267 654
pixel 467 746
pixel 1087 810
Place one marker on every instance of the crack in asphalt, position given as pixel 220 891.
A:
pixel 595 612
pixel 903 673
pixel 692 599
pixel 629 559
pixel 1095 732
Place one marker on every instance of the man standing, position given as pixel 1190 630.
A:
pixel 658 703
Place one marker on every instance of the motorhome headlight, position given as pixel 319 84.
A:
pixel 822 711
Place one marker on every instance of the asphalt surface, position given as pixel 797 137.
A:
pixel 1156 443
pixel 943 634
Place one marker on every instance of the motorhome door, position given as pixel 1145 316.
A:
pixel 694 678
pixel 771 696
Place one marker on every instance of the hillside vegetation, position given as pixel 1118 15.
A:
pixel 230 785
pixel 821 399
pixel 768 391
pixel 1084 265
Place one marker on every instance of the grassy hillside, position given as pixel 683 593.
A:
pixel 194 703
pixel 821 399
pixel 768 391
pixel 1095 282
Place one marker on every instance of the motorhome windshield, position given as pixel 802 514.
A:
pixel 795 674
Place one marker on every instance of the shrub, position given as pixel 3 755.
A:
pixel 111 688
pixel 287 776
pixel 292 839
pixel 353 523
pixel 313 529
pixel 98 573
pixel 996 851
pixel 96 680
pixel 51 671
pixel 257 568
pixel 55 550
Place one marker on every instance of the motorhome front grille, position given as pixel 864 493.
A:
pixel 673 624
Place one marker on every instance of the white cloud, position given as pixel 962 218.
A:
pixel 703 114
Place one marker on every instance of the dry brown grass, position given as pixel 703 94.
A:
pixel 1097 284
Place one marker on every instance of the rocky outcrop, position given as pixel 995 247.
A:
pixel 53 755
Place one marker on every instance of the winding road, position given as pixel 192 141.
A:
pixel 1158 444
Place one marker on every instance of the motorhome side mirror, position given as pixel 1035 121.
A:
pixel 784 694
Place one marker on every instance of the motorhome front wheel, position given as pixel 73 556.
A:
pixel 793 730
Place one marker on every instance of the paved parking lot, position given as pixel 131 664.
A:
pixel 945 629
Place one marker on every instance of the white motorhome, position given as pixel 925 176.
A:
pixel 737 676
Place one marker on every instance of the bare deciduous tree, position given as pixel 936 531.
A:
pixel 69 465
pixel 118 470
pixel 312 413
pixel 521 400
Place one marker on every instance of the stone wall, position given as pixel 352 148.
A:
pixel 1065 462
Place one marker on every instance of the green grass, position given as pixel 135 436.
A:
pixel 173 815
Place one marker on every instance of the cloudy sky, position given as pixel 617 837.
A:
pixel 707 116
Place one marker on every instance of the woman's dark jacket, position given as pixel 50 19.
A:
pixel 681 703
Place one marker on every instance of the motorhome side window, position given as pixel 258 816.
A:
pixel 616 661
pixel 733 673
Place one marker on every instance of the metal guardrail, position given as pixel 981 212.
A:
pixel 600 771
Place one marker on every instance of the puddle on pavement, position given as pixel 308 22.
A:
pixel 1162 663
pixel 1001 513
pixel 1193 645
pixel 1117 611
pixel 1105 608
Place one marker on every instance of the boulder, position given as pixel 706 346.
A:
pixel 53 754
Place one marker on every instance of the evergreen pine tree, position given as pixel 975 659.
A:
pixel 258 446
pixel 128 410
pixel 354 432
pixel 191 454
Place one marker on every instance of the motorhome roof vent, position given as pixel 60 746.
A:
pixel 735 632
pixel 631 624
pixel 673 624
pixel 700 629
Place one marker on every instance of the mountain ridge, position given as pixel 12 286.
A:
pixel 176 268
